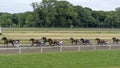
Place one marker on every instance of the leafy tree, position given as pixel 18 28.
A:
pixel 30 21
pixel 56 13
pixel 5 20
pixel 117 11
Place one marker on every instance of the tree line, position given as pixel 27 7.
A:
pixel 54 13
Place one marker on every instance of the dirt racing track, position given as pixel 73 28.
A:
pixel 65 48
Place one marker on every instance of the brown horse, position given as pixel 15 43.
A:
pixel 37 42
pixel 74 41
pixel 51 42
pixel 101 42
pixel 6 41
pixel 45 40
pixel 115 40
pixel 85 41
pixel 54 42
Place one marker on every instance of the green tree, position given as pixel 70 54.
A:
pixel 117 15
pixel 6 20
pixel 30 21
pixel 86 18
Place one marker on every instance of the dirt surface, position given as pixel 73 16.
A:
pixel 26 48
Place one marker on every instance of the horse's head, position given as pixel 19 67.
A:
pixel 4 38
pixel 44 38
pixel 113 38
pixel 71 38
pixel 50 40
pixel 97 39
pixel 32 39
pixel 82 40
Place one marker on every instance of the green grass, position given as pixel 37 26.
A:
pixel 83 59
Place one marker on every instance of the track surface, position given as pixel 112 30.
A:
pixel 26 48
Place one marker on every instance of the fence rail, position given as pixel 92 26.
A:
pixel 42 49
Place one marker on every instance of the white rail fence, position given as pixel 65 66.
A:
pixel 19 50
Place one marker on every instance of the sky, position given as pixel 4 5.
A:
pixel 19 6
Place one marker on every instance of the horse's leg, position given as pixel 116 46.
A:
pixel 98 43
pixel 32 44
pixel 44 43
pixel 55 43
pixel 117 41
pixel 7 44
pixel 58 43
pixel 90 42
pixel 114 41
pixel 13 44
pixel 76 42
pixel 72 42
pixel 85 43
pixel 50 43
pixel 80 42
pixel 39 43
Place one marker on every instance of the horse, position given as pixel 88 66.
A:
pixel 115 40
pixel 45 40
pixel 13 42
pixel 101 42
pixel 37 42
pixel 55 42
pixel 74 41
pixel 85 41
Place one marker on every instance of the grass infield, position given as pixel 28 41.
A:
pixel 83 59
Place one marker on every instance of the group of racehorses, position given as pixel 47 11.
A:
pixel 37 42
pixel 53 42
pixel 89 42
pixel 44 40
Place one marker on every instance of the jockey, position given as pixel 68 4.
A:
pixel 16 42
pixel 61 43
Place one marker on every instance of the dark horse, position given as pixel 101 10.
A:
pixel 51 42
pixel 85 41
pixel 101 42
pixel 115 40
pixel 13 42
pixel 37 42
pixel 74 41
pixel 45 40
pixel 54 42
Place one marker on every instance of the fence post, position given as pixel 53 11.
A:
pixel 61 48
pixel 109 47
pixel 20 50
pixel 94 47
pixel 78 48
pixel 41 49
